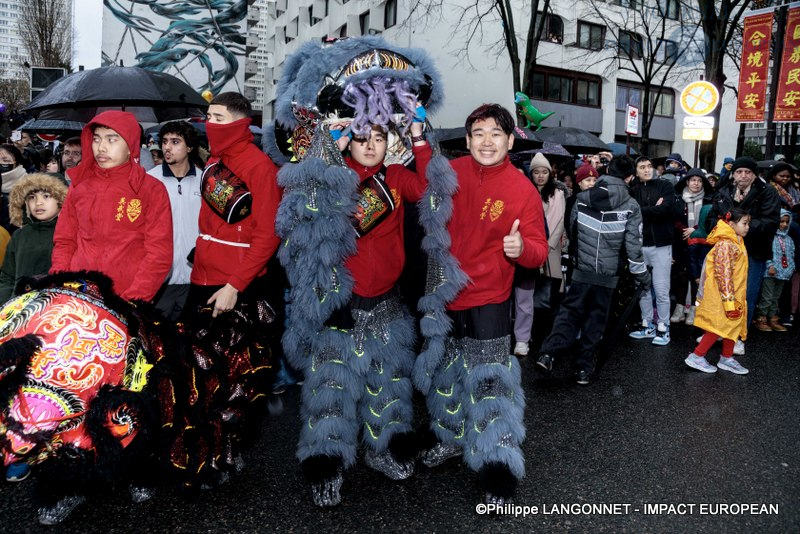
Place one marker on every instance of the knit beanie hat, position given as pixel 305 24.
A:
pixel 586 170
pixel 745 163
pixel 540 161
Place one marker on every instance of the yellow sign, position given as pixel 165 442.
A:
pixel 699 98
pixel 698 134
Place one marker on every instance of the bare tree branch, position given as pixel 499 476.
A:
pixel 44 28
pixel 470 21
pixel 15 93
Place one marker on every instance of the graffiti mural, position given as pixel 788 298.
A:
pixel 200 41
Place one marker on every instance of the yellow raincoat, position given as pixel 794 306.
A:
pixel 723 285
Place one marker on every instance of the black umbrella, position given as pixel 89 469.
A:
pixel 151 96
pixel 766 164
pixel 619 149
pixel 50 126
pixel 552 149
pixel 576 140
pixel 454 139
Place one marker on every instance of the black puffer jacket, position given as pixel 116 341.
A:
pixel 604 220
pixel 657 220
pixel 763 205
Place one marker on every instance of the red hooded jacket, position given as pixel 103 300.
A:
pixel 116 221
pixel 215 263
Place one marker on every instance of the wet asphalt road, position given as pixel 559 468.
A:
pixel 647 430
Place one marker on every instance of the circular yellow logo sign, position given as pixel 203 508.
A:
pixel 699 98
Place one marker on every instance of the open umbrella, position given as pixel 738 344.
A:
pixel 151 96
pixel 576 140
pixel 454 139
pixel 552 149
pixel 52 126
pixel 619 149
pixel 766 164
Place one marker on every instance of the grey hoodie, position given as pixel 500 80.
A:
pixel 605 219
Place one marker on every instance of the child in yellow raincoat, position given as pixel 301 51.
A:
pixel 722 300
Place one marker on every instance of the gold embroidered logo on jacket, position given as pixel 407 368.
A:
pixel 493 209
pixel 496 210
pixel 134 209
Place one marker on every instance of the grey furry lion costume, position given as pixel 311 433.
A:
pixel 357 380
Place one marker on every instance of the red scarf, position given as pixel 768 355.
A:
pixel 228 139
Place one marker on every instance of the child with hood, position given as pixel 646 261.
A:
pixel 779 270
pixel 722 301
pixel 34 205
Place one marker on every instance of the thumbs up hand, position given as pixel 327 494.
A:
pixel 512 243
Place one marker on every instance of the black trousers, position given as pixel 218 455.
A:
pixel 584 309
pixel 490 321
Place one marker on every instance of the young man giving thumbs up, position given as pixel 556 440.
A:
pixel 475 400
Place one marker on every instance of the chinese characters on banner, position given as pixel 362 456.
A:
pixel 787 104
pixel 755 65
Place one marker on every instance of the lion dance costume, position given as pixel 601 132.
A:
pixel 96 391
pixel 357 353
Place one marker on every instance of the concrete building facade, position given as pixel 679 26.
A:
pixel 579 75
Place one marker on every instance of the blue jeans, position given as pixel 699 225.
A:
pixel 755 275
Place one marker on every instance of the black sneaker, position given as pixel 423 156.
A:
pixel 582 378
pixel 545 361
pixel 788 321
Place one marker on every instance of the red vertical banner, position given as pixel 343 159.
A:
pixel 755 66
pixel 787 103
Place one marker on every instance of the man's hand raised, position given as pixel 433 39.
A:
pixel 512 243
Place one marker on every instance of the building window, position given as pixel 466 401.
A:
pixel 590 36
pixel 587 93
pixel 665 107
pixel 565 86
pixel 538 85
pixel 390 13
pixel 630 4
pixel 667 51
pixel 559 88
pixel 630 95
pixel 312 20
pixel 630 45
pixel 363 22
pixel 670 8
pixel 343 31
pixel 553 30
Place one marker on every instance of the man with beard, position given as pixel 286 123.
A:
pixel 181 176
pixel 71 155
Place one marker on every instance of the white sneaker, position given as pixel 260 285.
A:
pixel 690 315
pixel 729 364
pixel 678 314
pixel 520 348
pixel 700 363
pixel 738 348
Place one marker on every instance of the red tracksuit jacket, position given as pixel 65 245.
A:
pixel 485 206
